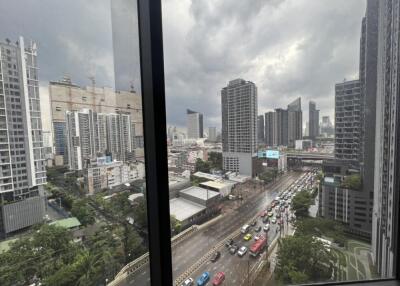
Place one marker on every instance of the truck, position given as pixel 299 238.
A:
pixel 258 246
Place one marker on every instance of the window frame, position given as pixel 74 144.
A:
pixel 155 151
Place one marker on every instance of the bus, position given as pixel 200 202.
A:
pixel 258 246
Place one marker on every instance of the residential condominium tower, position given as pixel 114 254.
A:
pixel 269 128
pixel 260 129
pixel 194 124
pixel 239 126
pixel 22 154
pixel 295 122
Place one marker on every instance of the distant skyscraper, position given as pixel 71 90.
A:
pixel 194 124
pixel 239 126
pixel 385 232
pixel 269 128
pixel 90 135
pixel 313 120
pixel 280 128
pixel 23 170
pixel 260 129
pixel 295 122
pixel 212 134
pixel 348 121
pixel 327 126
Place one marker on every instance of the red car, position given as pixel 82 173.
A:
pixel 218 278
pixel 263 214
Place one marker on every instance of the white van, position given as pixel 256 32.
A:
pixel 245 228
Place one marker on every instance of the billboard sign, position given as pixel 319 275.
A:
pixel 272 154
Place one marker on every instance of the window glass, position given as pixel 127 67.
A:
pixel 72 179
pixel 282 140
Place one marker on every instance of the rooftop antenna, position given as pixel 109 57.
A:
pixel 133 87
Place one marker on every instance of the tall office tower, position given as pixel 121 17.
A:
pixel 239 126
pixel 387 143
pixel 212 134
pixel 260 129
pixel 313 120
pixel 194 124
pixel 295 122
pixel 22 166
pixel 66 96
pixel 269 128
pixel 348 121
pixel 280 128
pixel 327 126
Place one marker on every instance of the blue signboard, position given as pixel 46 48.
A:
pixel 273 154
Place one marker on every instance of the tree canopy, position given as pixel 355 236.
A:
pixel 352 182
pixel 303 259
pixel 301 203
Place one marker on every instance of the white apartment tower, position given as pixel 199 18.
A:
pixel 22 156
pixel 194 124
pixel 239 126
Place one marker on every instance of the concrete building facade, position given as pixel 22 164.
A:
pixel 295 122
pixel 313 120
pixel 260 129
pixel 22 155
pixel 239 126
pixel 269 128
pixel 194 124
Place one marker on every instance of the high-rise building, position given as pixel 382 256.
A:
pixel 387 142
pixel 239 126
pixel 280 128
pixel 91 134
pixel 327 126
pixel 269 128
pixel 212 134
pixel 313 120
pixel 66 96
pixel 295 122
pixel 348 121
pixel 260 129
pixel 194 124
pixel 22 154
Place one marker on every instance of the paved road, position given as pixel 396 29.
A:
pixel 189 251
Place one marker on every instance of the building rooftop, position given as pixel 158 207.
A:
pixel 200 193
pixel 183 209
pixel 135 196
pixel 207 176
pixel 217 184
pixel 70 222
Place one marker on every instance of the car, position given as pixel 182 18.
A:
pixel 269 209
pixel 253 223
pixel 247 237
pixel 277 208
pixel 245 229
pixel 218 278
pixel 242 251
pixel 280 221
pixel 273 204
pixel 229 243
pixel 187 282
pixel 257 229
pixel 215 256
pixel 265 219
pixel 266 227
pixel 278 215
pixel 263 214
pixel 273 220
pixel 270 214
pixel 203 279
pixel 233 249
pixel 257 237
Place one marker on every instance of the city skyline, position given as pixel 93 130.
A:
pixel 272 70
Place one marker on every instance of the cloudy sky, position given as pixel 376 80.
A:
pixel 288 48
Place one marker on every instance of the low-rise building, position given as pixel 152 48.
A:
pixel 223 187
pixel 303 144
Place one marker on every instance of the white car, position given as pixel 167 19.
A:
pixel 266 227
pixel 188 282
pixel 273 220
pixel 257 237
pixel 242 251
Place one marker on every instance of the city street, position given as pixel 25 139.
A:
pixel 191 250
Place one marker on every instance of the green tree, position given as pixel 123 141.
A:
pixel 175 225
pixel 215 160
pixel 202 166
pixel 140 212
pixel 83 212
pixel 301 203
pixel 303 259
pixel 352 182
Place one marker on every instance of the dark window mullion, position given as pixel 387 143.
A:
pixel 155 145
